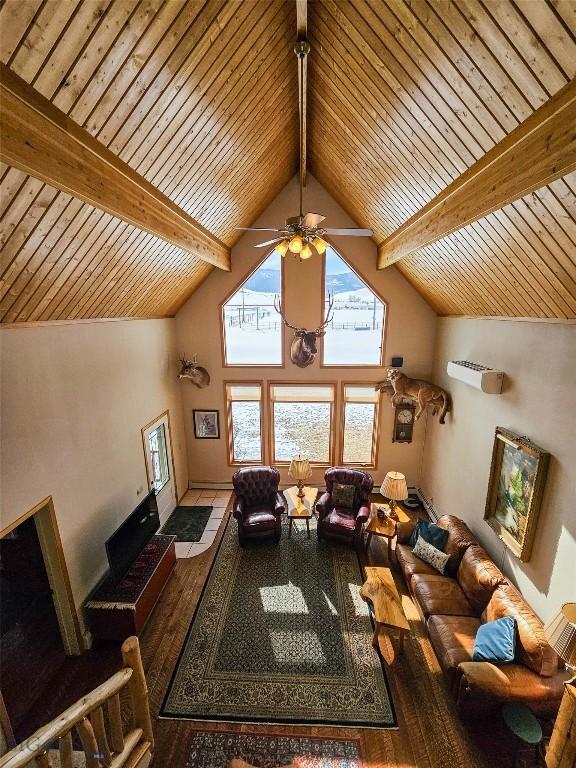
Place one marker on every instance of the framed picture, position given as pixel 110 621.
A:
pixel 517 480
pixel 206 425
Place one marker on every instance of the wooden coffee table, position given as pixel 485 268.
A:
pixel 385 527
pixel 300 509
pixel 380 591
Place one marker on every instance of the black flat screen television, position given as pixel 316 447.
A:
pixel 126 543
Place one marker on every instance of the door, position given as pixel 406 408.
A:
pixel 159 464
pixel 30 641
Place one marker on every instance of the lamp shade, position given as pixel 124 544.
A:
pixel 300 469
pixel 295 244
pixel 560 632
pixel 394 486
pixel 320 245
pixel 282 247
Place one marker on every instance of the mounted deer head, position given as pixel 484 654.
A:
pixel 303 348
pixel 189 369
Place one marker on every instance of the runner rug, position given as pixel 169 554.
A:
pixel 281 635
pixel 210 749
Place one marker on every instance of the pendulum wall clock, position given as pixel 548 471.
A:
pixel 403 423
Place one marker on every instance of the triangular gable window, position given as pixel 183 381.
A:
pixel 252 328
pixel 355 334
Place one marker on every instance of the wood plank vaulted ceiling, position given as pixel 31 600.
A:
pixel 200 98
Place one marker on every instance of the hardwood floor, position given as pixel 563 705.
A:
pixel 409 745
pixel 429 733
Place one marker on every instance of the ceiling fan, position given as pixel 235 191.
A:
pixel 300 233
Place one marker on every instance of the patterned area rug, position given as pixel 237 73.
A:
pixel 210 749
pixel 281 635
pixel 187 523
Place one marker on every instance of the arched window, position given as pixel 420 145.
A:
pixel 252 328
pixel 356 332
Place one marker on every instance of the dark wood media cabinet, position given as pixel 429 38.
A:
pixel 116 611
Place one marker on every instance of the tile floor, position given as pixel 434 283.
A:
pixel 204 497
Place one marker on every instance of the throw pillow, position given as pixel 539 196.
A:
pixel 431 533
pixel 343 495
pixel 430 554
pixel 496 641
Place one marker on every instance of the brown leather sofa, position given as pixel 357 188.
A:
pixel 472 592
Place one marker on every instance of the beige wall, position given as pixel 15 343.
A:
pixel 539 400
pixel 74 398
pixel 410 332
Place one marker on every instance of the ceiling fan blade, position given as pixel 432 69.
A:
pixel 312 219
pixel 269 242
pixel 352 232
pixel 258 229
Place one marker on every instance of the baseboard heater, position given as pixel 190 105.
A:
pixel 478 376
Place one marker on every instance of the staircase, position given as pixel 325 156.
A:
pixel 97 720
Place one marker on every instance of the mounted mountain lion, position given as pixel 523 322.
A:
pixel 423 393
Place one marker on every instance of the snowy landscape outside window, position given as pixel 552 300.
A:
pixel 159 457
pixel 354 336
pixel 360 424
pixel 244 423
pixel 252 327
pixel 302 422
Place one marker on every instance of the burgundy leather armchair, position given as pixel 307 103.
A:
pixel 258 506
pixel 339 522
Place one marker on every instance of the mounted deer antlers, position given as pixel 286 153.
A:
pixel 189 369
pixel 303 348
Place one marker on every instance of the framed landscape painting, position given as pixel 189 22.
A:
pixel 517 479
pixel 206 425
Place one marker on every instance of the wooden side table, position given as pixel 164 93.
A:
pixel 385 527
pixel 380 591
pixel 300 509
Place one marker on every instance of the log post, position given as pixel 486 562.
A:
pixel 138 688
pixel 66 749
pixel 89 743
pixel 115 720
pixel 561 751
pixel 97 720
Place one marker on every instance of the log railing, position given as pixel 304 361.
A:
pixel 104 742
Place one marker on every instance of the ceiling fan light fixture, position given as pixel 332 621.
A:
pixel 320 245
pixel 306 251
pixel 282 247
pixel 295 244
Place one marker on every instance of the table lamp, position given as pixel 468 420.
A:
pixel 560 632
pixel 394 488
pixel 300 470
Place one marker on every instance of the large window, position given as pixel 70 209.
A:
pixel 251 326
pixel 301 422
pixel 244 423
pixel 360 431
pixel 355 334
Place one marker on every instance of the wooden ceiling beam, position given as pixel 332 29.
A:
pixel 536 153
pixel 302 35
pixel 43 141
